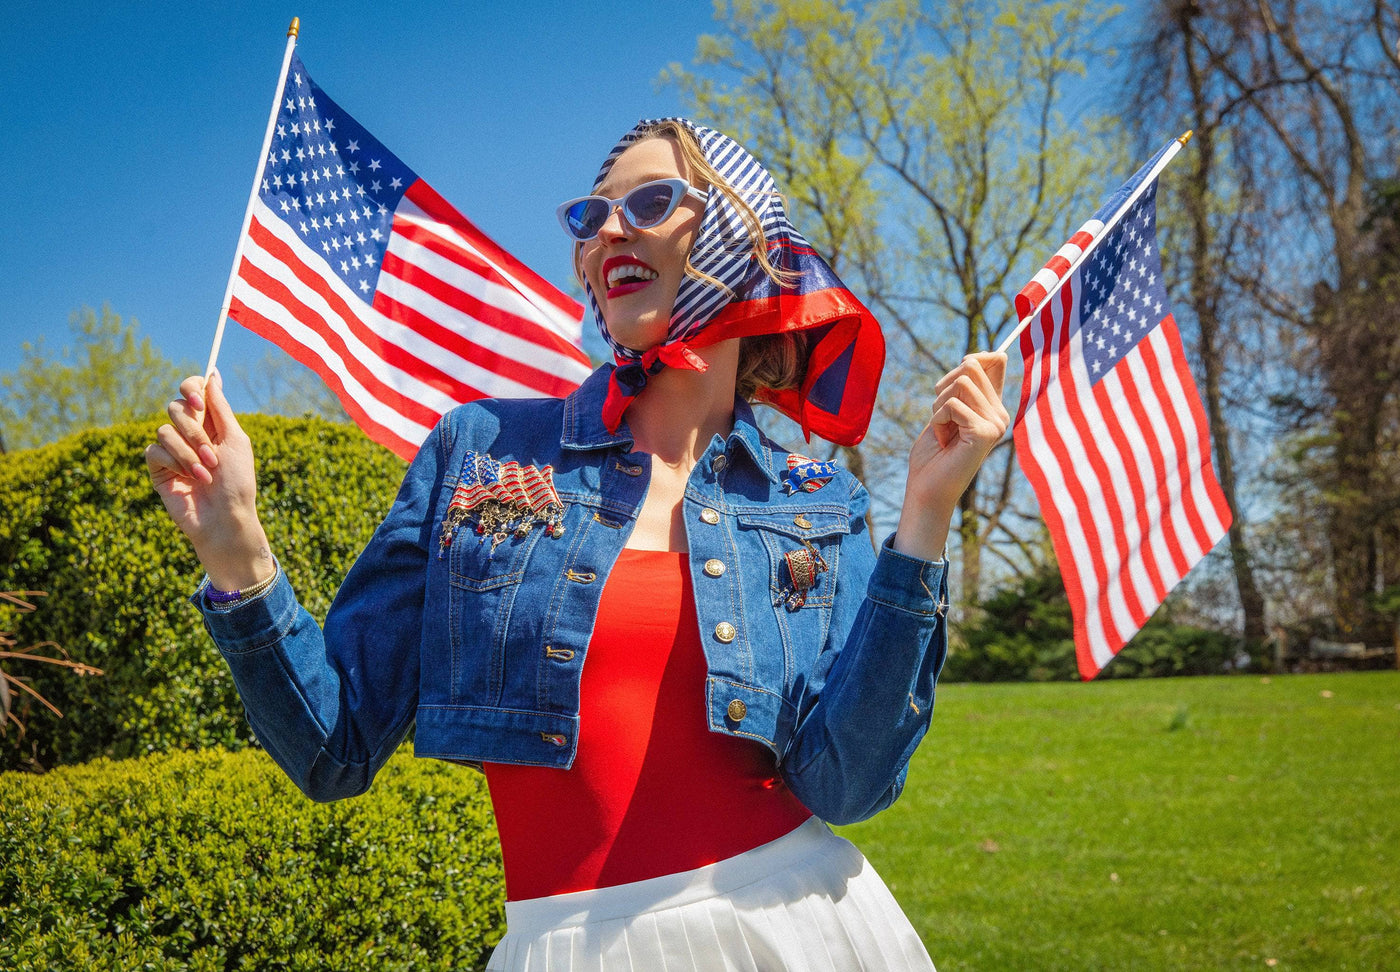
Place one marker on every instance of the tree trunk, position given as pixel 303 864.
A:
pixel 970 548
pixel 1205 301
pixel 1356 441
pixel 1251 600
pixel 855 462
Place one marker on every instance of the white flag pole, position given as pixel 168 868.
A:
pixel 1113 221
pixel 292 31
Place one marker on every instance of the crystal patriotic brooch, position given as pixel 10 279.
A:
pixel 806 474
pixel 503 498
pixel 803 566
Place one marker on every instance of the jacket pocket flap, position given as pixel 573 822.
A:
pixel 798 523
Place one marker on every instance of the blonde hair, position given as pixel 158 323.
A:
pixel 774 361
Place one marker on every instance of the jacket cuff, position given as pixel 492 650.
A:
pixel 251 624
pixel 909 583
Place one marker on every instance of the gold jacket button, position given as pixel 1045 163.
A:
pixel 709 516
pixel 714 567
pixel 737 710
pixel 802 522
pixel 718 463
pixel 725 632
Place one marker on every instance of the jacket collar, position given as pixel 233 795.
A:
pixel 584 428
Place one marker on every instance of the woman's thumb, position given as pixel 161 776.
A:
pixel 217 408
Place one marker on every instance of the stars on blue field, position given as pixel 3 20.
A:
pixel 1123 295
pixel 332 182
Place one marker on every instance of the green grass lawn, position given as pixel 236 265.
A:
pixel 1206 823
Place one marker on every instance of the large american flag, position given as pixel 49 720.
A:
pixel 358 269
pixel 1111 432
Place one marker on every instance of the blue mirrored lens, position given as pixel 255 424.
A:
pixel 586 217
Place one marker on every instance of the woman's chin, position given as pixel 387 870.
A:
pixel 637 336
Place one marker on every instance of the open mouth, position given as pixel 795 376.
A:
pixel 625 275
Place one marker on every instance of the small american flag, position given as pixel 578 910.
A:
pixel 359 270
pixel 1111 432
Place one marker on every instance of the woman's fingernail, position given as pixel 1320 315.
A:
pixel 209 456
pixel 202 474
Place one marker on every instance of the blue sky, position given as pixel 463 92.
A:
pixel 131 134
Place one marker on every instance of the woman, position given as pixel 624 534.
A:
pixel 754 668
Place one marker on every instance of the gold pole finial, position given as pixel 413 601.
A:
pixel 1183 139
pixel 295 29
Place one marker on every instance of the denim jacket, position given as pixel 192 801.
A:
pixel 482 642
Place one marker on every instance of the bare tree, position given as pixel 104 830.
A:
pixel 1305 92
pixel 1178 88
pixel 49 652
pixel 278 385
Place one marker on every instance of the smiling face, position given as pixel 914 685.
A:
pixel 635 274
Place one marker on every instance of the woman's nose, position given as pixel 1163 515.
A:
pixel 615 227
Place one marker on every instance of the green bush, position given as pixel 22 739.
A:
pixel 1025 633
pixel 82 522
pixel 214 861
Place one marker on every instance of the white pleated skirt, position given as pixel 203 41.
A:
pixel 806 902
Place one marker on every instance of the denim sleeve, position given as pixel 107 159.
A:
pixel 331 706
pixel 870 699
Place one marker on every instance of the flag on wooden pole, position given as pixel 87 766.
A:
pixel 1111 432
pixel 357 268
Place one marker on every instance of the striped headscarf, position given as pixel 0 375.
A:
pixel 846 350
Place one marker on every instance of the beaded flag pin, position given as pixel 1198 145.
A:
pixel 505 498
pixel 806 474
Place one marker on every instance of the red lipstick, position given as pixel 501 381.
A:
pixel 626 274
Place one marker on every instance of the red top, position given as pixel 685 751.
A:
pixel 652 790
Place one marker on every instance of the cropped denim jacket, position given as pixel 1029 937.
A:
pixel 482 643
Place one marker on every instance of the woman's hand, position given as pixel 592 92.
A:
pixel 202 466
pixel 968 419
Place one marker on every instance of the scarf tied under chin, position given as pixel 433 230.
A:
pixel 630 377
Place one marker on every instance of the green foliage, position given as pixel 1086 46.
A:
pixel 83 523
pixel 213 861
pixel 1387 602
pixel 1026 633
pixel 107 376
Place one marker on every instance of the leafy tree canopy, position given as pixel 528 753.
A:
pixel 105 376
pixel 937 154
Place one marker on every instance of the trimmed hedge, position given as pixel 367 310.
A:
pixel 213 861
pixel 82 522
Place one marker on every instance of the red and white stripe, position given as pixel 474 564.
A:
pixel 454 318
pixel 509 489
pixel 539 486
pixel 468 496
pixel 1049 275
pixel 1123 471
